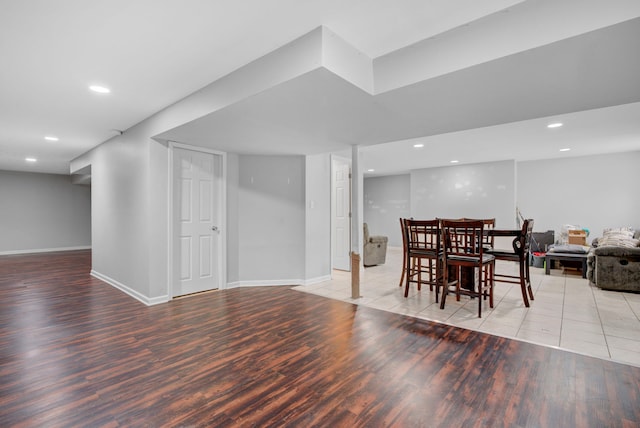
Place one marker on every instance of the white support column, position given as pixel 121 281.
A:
pixel 356 221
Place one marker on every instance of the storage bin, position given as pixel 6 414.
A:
pixel 537 259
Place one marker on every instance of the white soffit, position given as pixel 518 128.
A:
pixel 522 27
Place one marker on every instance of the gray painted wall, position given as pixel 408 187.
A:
pixel 122 222
pixel 271 218
pixel 318 216
pixel 43 212
pixel 484 190
pixel 233 191
pixel 130 182
pixel 386 199
pixel 158 218
pixel 594 192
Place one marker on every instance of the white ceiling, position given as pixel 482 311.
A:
pixel 154 53
pixel 590 132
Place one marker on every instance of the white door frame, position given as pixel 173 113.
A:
pixel 348 161
pixel 222 253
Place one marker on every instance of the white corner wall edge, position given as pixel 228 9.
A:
pixel 278 282
pixel 346 61
pixel 43 250
pixel 140 297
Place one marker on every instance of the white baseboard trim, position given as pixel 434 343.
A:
pixel 43 250
pixel 258 283
pixel 131 292
pixel 278 282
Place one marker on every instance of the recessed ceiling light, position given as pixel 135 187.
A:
pixel 454 161
pixel 565 150
pixel 30 159
pixel 51 138
pixel 99 89
pixel 418 146
pixel 554 125
pixel 370 170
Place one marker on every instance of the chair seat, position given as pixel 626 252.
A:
pixel 505 255
pixel 486 258
pixel 425 253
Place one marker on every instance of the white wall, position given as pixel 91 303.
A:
pixel 594 192
pixel 121 214
pixel 318 217
pixel 233 234
pixel 40 212
pixel 157 219
pixel 387 199
pixel 484 190
pixel 130 177
pixel 271 219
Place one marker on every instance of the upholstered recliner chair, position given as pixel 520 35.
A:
pixel 613 263
pixel 375 248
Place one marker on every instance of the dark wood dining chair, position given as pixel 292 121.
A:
pixel 489 224
pixel 404 252
pixel 424 256
pixel 520 254
pixel 488 240
pixel 464 249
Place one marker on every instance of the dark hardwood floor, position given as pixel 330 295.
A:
pixel 76 352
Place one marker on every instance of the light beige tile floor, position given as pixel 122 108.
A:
pixel 567 313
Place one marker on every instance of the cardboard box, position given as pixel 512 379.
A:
pixel 577 237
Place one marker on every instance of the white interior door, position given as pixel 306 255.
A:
pixel 341 214
pixel 197 189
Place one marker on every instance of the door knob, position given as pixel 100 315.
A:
pixel 214 228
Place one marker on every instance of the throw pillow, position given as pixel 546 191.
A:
pixel 619 231
pixel 618 241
